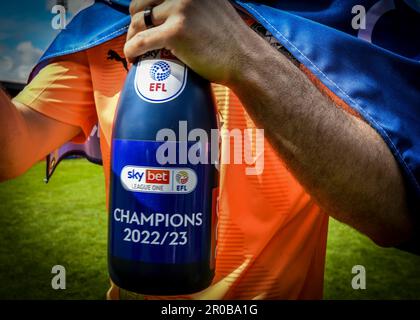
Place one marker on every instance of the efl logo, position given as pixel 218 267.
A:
pixel 157 176
pixel 159 81
pixel 157 87
pixel 182 177
pixel 160 71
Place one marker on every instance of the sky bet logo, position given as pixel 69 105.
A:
pixel 157 176
pixel 158 180
pixel 135 175
pixel 152 176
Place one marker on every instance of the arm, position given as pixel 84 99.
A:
pixel 339 159
pixel 54 108
pixel 26 136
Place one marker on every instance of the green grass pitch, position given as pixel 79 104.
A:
pixel 65 223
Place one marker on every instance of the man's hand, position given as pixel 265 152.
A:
pixel 207 35
pixel 340 160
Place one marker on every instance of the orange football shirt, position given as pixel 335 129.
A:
pixel 271 235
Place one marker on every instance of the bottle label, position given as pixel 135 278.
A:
pixel 160 80
pixel 159 214
pixel 158 180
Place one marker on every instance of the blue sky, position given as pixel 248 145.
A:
pixel 25 32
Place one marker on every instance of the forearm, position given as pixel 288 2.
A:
pixel 340 160
pixel 13 132
pixel 27 136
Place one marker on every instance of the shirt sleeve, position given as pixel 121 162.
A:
pixel 63 90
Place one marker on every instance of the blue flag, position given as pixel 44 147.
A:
pixel 365 51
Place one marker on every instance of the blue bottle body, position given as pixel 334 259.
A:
pixel 162 205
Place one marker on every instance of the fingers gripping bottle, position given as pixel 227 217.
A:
pixel 163 184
